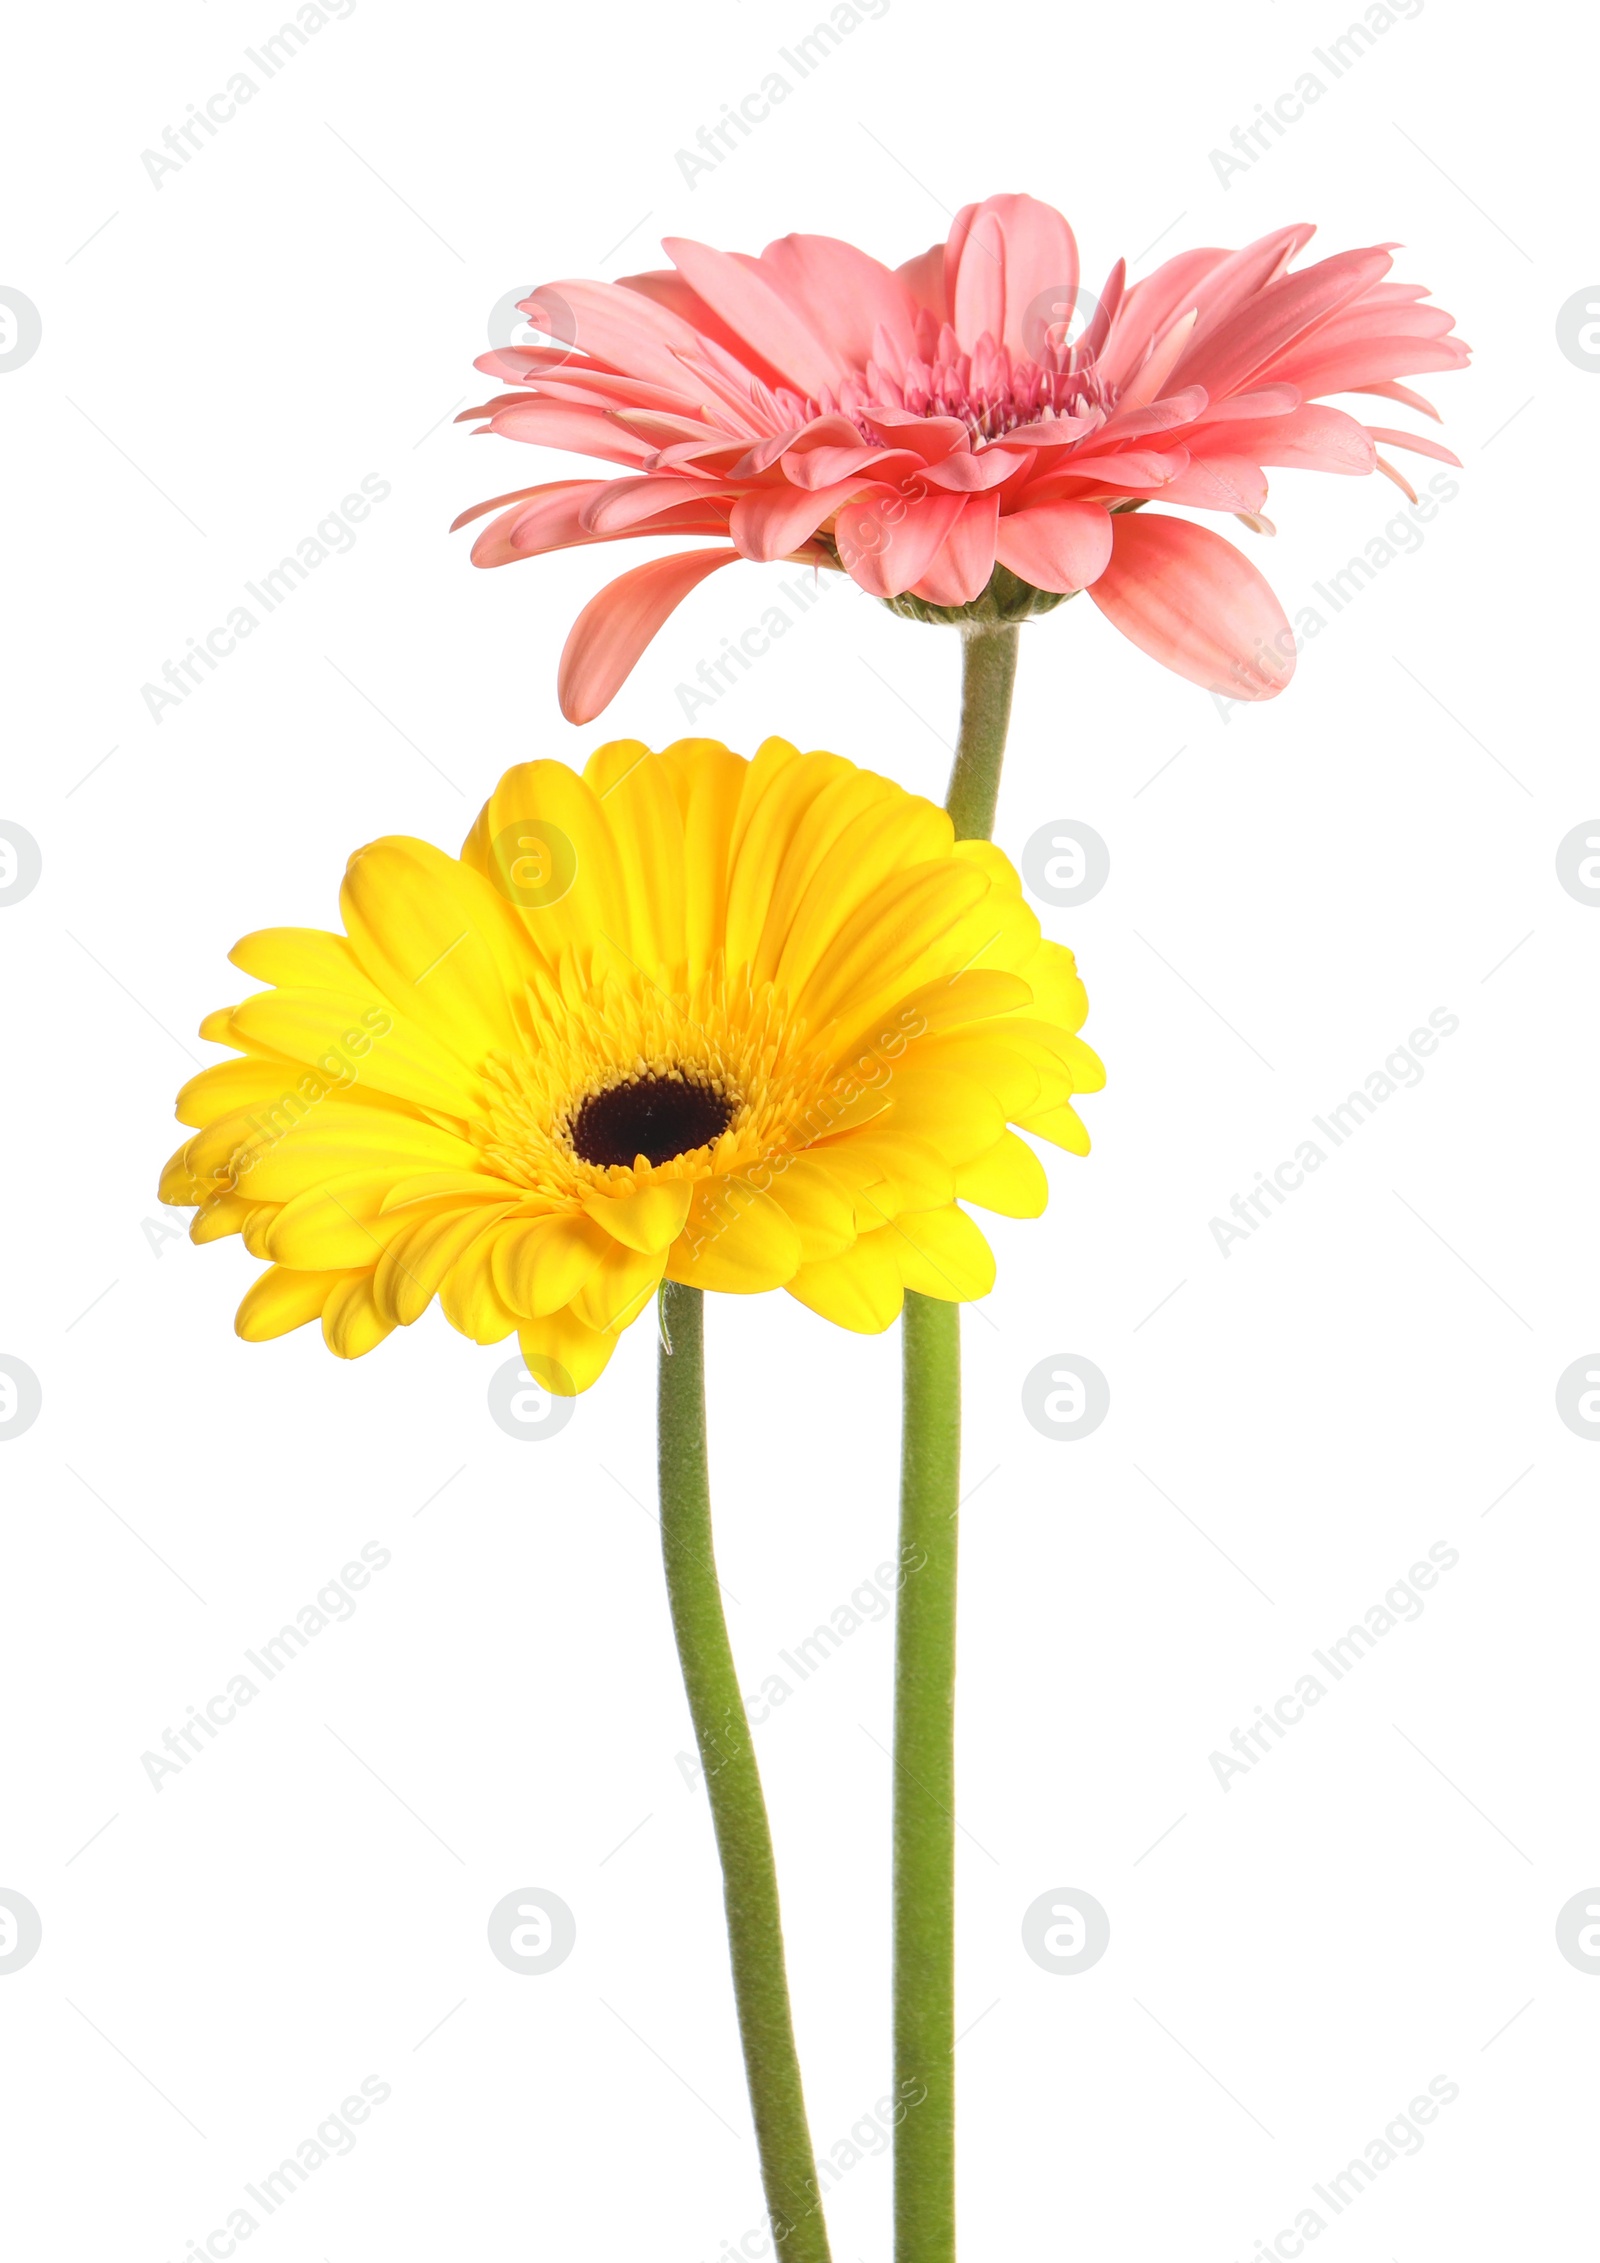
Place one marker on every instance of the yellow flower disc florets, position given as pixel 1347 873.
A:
pixel 743 1025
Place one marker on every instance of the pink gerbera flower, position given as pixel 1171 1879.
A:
pixel 969 436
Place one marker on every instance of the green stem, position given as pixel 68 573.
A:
pixel 925 1624
pixel 988 671
pixel 924 1787
pixel 733 1783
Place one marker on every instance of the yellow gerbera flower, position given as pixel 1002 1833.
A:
pixel 740 1024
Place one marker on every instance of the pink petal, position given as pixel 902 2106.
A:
pixel 1163 416
pixel 1098 328
pixel 1189 600
pixel 516 495
pixel 841 293
pixel 669 289
pixel 530 529
pixel 582 432
pixel 1167 351
pixel 1219 483
pixel 1056 545
pixel 1051 432
pixel 766 452
pixel 772 521
pixel 589 382
pixel 1313 438
pixel 923 277
pixel 626 506
pixel 1224 358
pixel 1239 276
pixel 960 570
pixel 1415 441
pixel 886 544
pixel 614 627
pixel 1261 401
pixel 974 471
pixel 825 467
pixel 1366 362
pixel 629 332
pixel 1366 319
pixel 1138 469
pixel 933 437
pixel 753 309
pixel 1403 394
pixel 1003 256
pixel 557 508
pixel 1150 308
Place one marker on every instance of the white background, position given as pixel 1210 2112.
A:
pixel 224 357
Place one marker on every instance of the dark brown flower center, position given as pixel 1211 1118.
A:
pixel 657 1117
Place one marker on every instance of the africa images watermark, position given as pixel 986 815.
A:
pixel 716 143
pixel 867 1605
pixel 1401 1070
pixel 1401 2139
pixel 715 677
pixel 868 2139
pixel 333 536
pixel 182 143
pixel 1401 537
pixel 336 1601
pixel 335 2134
pixel 1272 121
pixel 1402 1604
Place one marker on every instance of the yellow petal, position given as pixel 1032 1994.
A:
pixel 888 1173
pixel 337 1223
pixel 618 1287
pixel 218 1216
pixel 563 1354
pixel 860 1290
pixel 736 1239
pixel 1007 1177
pixel 469 1299
pixel 416 1261
pixel 438 941
pixel 178 1184
pixel 647 831
pixel 357 1039
pixel 780 787
pixel 941 1253
pixel 816 857
pixel 351 1321
pixel 1060 1125
pixel 880 950
pixel 1052 975
pixel 955 1001
pixel 994 1061
pixel 277 1154
pixel 542 1264
pixel 298 958
pixel 281 1300
pixel 953 1114
pixel 469 1186
pixel 228 1086
pixel 648 1220
pixel 708 781
pixel 257 1225
pixel 993 863
pixel 543 816
pixel 818 1202
pixel 882 842
pixel 997 931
